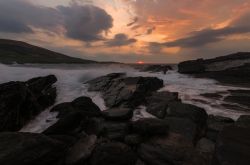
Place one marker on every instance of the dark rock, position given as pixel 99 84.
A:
pixel 63 109
pixel 113 153
pixel 69 125
pixel 190 67
pixel 158 103
pixel 194 113
pixel 183 126
pixel 30 149
pixel 243 121
pixel 205 146
pixel 232 69
pixel 20 102
pixel 212 95
pixel 239 76
pixel 240 97
pixel 191 112
pixel 42 88
pixel 169 150
pixel 157 68
pixel 81 150
pixel 133 139
pixel 118 114
pixel 83 105
pixel 119 90
pixel 215 124
pixel 233 146
pixel 114 130
pixel 93 125
pixel 150 126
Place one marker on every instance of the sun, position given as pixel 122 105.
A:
pixel 140 62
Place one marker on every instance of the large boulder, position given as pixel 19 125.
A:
pixel 197 118
pixel 190 67
pixel 42 88
pixel 83 105
pixel 183 126
pixel 215 124
pixel 117 89
pixel 157 103
pixel 69 125
pixel 150 127
pixel 30 149
pixel 233 146
pixel 81 150
pixel 167 150
pixel 22 101
pixel 113 153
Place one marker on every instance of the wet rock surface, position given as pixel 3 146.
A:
pixel 176 134
pixel 117 89
pixel 22 101
pixel 233 69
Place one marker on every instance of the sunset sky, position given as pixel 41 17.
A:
pixel 154 31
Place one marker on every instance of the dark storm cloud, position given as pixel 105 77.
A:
pixel 86 23
pixel 120 40
pixel 16 16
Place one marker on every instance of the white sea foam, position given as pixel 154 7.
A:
pixel 71 78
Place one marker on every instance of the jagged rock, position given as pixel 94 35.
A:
pixel 168 150
pixel 117 89
pixel 42 88
pixel 30 149
pixel 83 105
pixel 195 66
pixel 81 150
pixel 150 126
pixel 243 121
pixel 69 125
pixel 22 101
pixel 215 124
pixel 118 114
pixel 113 153
pixel 158 103
pixel 232 146
pixel 233 69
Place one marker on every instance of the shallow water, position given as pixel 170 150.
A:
pixel 71 78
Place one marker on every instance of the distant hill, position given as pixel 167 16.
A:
pixel 20 52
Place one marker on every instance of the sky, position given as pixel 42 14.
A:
pixel 152 31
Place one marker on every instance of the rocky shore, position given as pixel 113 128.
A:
pixel 178 134
pixel 232 69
